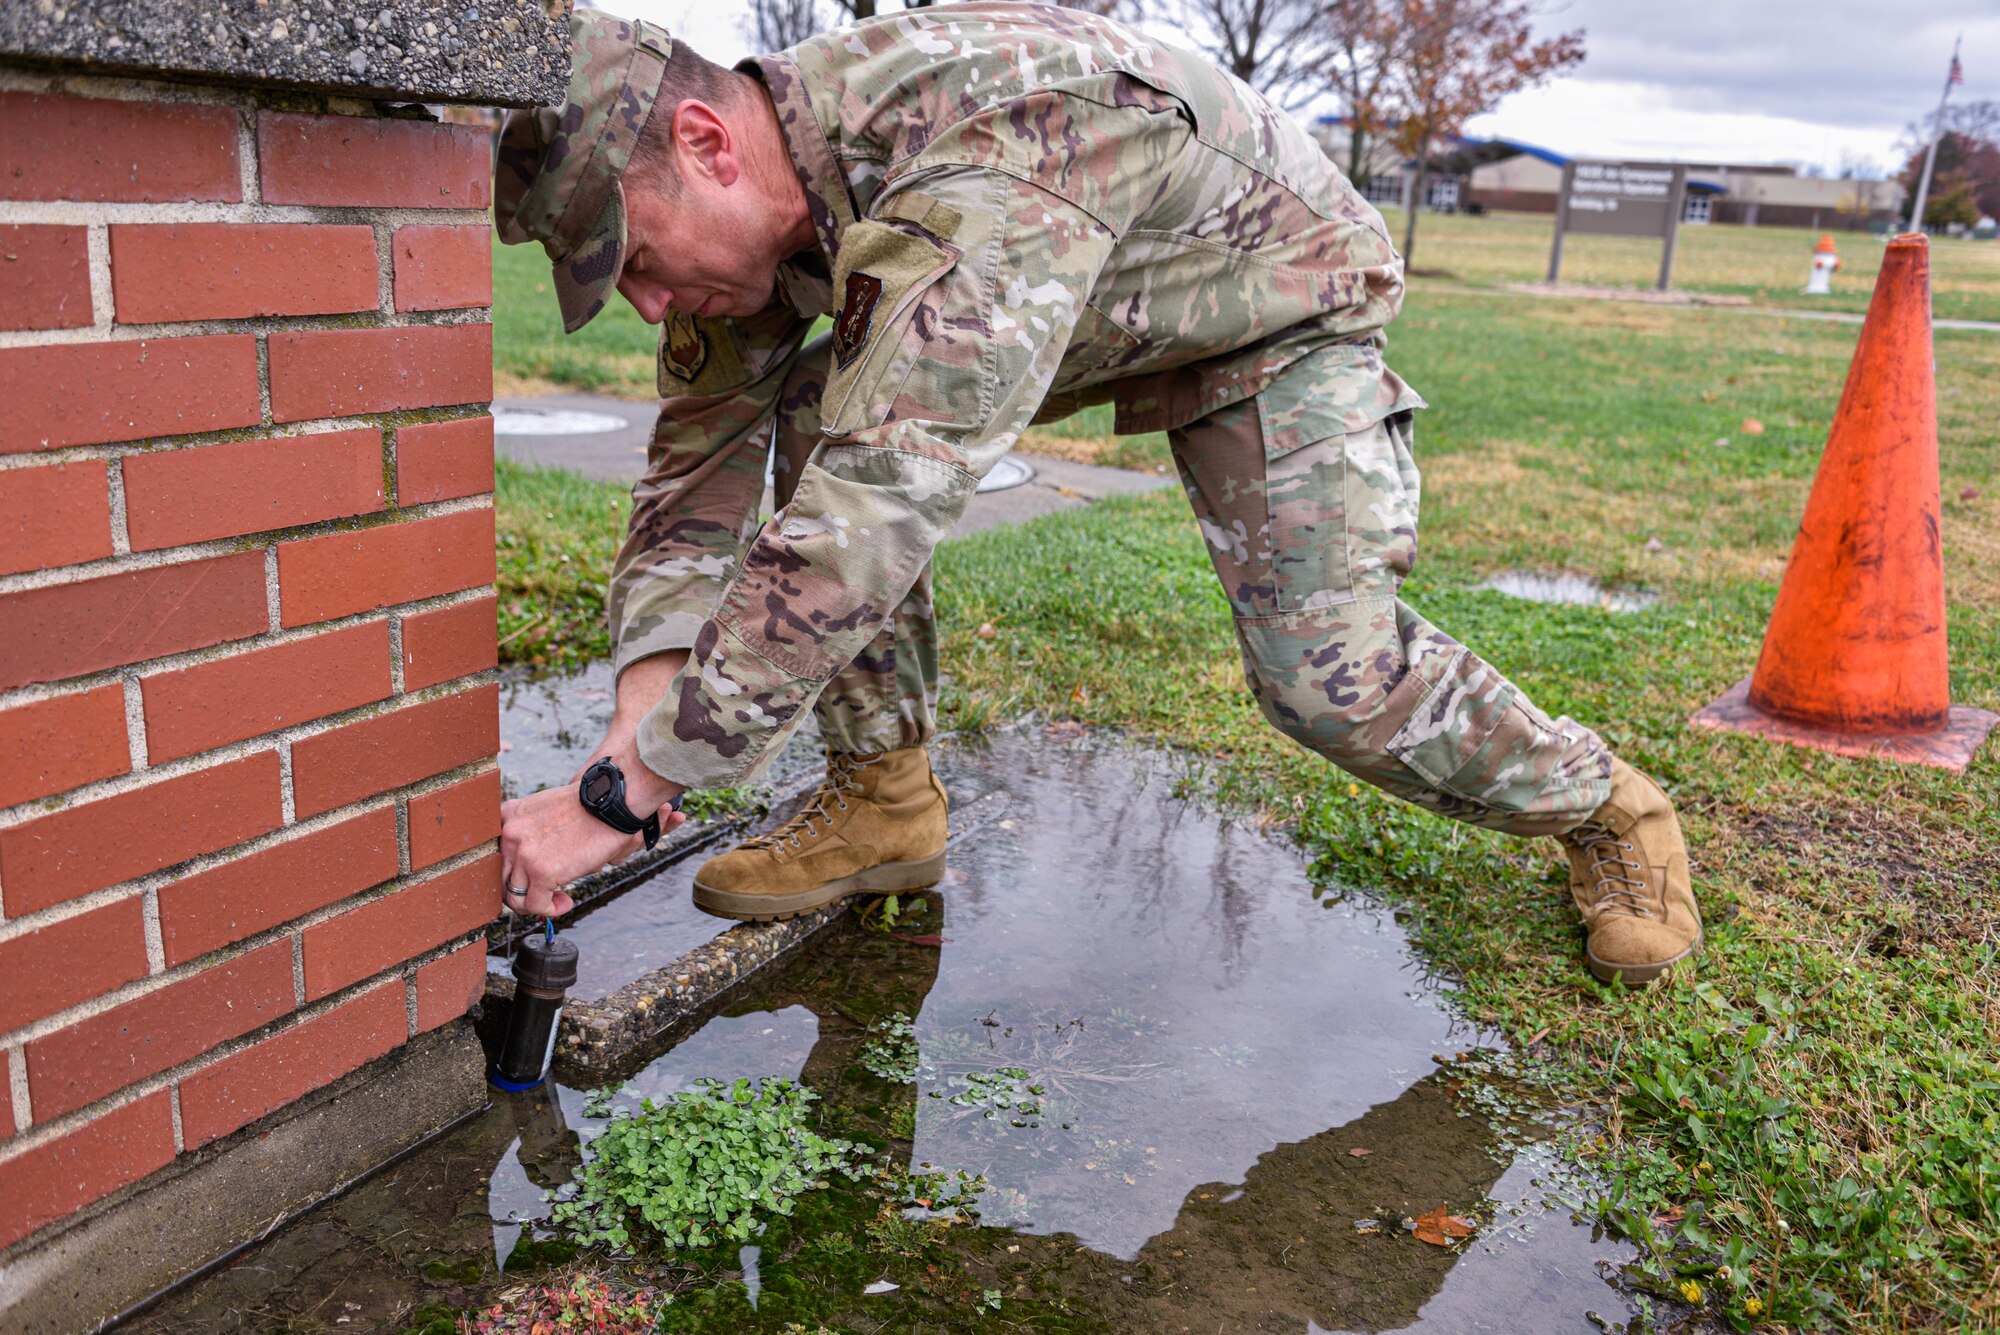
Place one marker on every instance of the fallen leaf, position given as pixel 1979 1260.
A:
pixel 1752 427
pixel 1968 493
pixel 1438 1228
pixel 1358 1153
pixel 928 939
pixel 987 631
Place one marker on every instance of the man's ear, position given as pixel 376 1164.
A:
pixel 703 143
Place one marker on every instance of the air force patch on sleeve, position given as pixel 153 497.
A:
pixel 857 309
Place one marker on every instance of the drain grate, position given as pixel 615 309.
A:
pixel 518 421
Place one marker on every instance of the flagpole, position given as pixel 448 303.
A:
pixel 1937 133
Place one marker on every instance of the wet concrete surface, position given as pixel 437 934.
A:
pixel 1212 1041
pixel 1567 587
pixel 619 455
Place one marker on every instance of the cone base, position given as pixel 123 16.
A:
pixel 1950 748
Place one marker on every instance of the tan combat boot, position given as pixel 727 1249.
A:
pixel 875 825
pixel 1628 873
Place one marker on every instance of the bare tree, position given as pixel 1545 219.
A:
pixel 1366 41
pixel 774 25
pixel 1282 48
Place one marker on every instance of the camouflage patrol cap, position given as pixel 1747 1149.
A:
pixel 556 179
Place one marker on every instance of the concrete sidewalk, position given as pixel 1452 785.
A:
pixel 605 438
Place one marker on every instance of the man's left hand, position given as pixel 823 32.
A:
pixel 548 840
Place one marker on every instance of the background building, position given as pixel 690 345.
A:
pixel 1512 176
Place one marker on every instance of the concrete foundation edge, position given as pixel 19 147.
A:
pixel 133 1245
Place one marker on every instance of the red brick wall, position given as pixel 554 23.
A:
pixel 247 716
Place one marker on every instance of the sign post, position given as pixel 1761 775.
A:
pixel 1621 199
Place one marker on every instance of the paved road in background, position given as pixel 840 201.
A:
pixel 618 454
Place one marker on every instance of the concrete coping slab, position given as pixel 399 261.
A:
pixel 507 53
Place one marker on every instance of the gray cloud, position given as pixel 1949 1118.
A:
pixel 1840 63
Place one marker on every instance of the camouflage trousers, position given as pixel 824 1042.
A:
pixel 1312 541
pixel 886 698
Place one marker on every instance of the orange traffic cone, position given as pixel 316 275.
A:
pixel 1854 659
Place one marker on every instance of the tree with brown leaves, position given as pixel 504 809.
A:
pixel 1455 60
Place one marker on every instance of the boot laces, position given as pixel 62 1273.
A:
pixel 842 772
pixel 1615 892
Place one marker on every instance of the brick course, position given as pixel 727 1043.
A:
pixel 349 160
pixel 126 152
pixel 389 750
pixel 450 642
pixel 443 267
pixel 59 631
pixel 174 497
pixel 441 461
pixel 44 277
pixel 245 1085
pixel 95 393
pixel 78 1065
pixel 222 271
pixel 223 905
pixel 71 961
pixel 339 372
pixel 55 515
pixel 48 859
pixel 386 931
pixel 63 742
pixel 454 818
pixel 343 573
pixel 448 987
pixel 60 1177
pixel 246 695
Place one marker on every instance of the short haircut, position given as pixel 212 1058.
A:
pixel 689 75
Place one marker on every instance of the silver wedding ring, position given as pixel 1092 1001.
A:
pixel 516 892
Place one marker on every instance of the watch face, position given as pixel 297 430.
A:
pixel 596 787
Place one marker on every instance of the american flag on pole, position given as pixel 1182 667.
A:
pixel 1957 74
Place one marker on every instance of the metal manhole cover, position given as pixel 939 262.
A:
pixel 1009 472
pixel 553 422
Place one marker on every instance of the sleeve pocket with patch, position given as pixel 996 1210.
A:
pixel 888 280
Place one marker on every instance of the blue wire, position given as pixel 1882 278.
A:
pixel 550 924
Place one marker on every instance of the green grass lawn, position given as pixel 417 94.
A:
pixel 1811 1119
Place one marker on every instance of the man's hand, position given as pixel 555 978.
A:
pixel 549 839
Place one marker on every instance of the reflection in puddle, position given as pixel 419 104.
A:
pixel 1185 1081
pixel 1566 586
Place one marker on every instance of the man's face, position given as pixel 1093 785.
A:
pixel 712 246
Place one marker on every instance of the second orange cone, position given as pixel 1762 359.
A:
pixel 1855 658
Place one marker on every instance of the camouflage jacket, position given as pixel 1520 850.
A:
pixel 1021 210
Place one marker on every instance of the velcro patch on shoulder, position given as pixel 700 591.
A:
pixel 935 216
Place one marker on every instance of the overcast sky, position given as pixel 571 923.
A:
pixel 1720 80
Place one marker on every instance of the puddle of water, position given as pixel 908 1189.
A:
pixel 549 723
pixel 1566 586
pixel 1211 1045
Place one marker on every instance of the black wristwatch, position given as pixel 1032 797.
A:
pixel 602 793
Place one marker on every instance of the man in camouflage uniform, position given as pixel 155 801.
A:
pixel 1010 211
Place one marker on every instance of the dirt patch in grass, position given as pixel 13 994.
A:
pixel 1929 882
